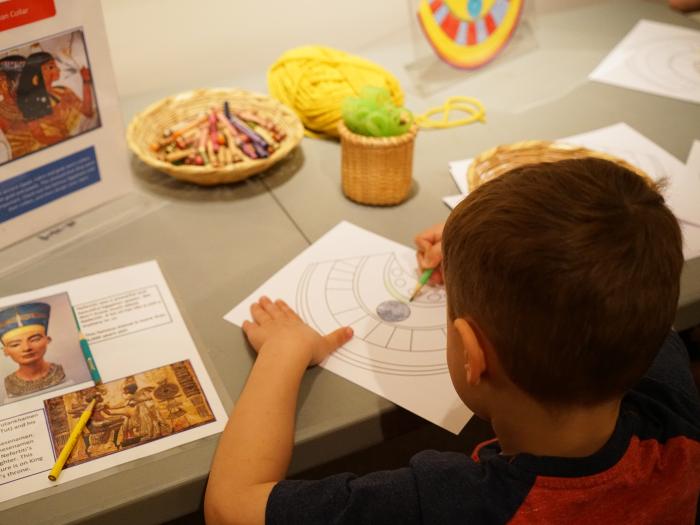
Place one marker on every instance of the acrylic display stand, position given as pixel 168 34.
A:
pixel 430 74
pixel 93 223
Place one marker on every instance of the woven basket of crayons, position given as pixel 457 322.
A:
pixel 501 159
pixel 214 136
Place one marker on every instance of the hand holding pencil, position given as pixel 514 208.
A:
pixel 429 252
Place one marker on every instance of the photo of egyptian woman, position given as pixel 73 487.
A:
pixel 46 94
pixel 40 346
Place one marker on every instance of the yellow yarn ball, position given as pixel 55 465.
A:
pixel 314 81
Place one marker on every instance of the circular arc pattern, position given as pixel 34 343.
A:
pixel 468 35
pixel 369 294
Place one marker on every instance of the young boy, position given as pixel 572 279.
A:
pixel 562 282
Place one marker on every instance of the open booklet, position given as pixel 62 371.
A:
pixel 155 392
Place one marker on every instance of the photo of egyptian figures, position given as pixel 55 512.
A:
pixel 46 94
pixel 129 412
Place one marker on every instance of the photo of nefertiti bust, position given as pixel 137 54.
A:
pixel 34 362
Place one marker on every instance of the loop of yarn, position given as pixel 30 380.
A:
pixel 471 107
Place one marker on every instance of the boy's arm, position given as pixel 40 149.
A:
pixel 256 445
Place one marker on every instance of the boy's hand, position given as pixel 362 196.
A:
pixel 429 252
pixel 277 328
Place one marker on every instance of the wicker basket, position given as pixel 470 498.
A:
pixel 147 127
pixel 501 159
pixel 376 170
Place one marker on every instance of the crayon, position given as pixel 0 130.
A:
pixel 72 440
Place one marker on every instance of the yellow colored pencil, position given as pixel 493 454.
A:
pixel 72 440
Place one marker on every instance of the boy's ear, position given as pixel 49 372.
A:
pixel 474 359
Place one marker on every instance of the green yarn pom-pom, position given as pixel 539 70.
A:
pixel 373 114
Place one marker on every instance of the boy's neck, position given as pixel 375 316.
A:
pixel 575 432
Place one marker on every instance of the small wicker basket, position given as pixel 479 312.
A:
pixel 147 127
pixel 376 170
pixel 501 159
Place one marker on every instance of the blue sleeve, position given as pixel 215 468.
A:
pixel 672 367
pixel 380 497
pixel 670 381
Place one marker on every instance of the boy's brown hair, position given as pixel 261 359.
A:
pixel 571 269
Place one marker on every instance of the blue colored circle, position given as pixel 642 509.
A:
pixel 474 8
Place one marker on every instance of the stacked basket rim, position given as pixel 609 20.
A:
pixel 147 127
pixel 496 161
pixel 376 170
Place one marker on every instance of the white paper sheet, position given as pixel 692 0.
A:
pixel 341 280
pixel 682 192
pixel 691 233
pixel 691 240
pixel 458 170
pixel 693 162
pixel 453 200
pixel 655 58
pixel 133 325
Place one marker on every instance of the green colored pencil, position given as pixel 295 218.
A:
pixel 421 282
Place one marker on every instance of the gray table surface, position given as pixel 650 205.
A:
pixel 217 245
